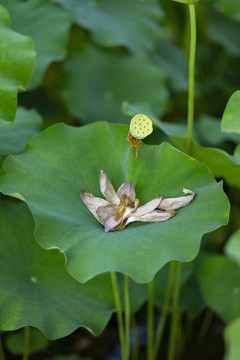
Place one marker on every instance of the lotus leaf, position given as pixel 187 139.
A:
pixel 231 116
pixel 13 139
pixel 70 159
pixel 95 91
pixel 48 26
pixel 219 281
pixel 232 248
pixel 130 23
pixel 16 66
pixel 231 335
pixel 35 288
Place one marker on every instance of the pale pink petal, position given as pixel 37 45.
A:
pixel 148 207
pixel 155 216
pixel 92 202
pixel 104 212
pixel 126 194
pixel 176 203
pixel 112 222
pixel 107 189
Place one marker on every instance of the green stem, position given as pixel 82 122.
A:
pixel 135 351
pixel 205 325
pixel 191 71
pixel 119 314
pixel 175 313
pixel 150 312
pixel 127 316
pixel 27 343
pixel 164 313
pixel 2 355
pixel 179 340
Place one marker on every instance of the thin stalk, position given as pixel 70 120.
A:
pixel 135 351
pixel 164 313
pixel 127 316
pixel 175 313
pixel 2 355
pixel 119 314
pixel 205 325
pixel 191 71
pixel 150 319
pixel 179 339
pixel 27 343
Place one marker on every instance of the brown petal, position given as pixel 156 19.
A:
pixel 155 216
pixel 126 194
pixel 107 189
pixel 105 212
pixel 148 207
pixel 176 203
pixel 112 222
pixel 92 202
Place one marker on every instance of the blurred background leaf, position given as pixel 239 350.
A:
pixel 95 91
pixel 16 66
pixel 130 23
pixel 47 25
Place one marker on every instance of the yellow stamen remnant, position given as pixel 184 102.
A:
pixel 121 212
pixel 171 212
pixel 132 141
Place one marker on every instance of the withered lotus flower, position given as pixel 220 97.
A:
pixel 121 208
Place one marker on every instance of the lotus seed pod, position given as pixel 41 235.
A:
pixel 141 126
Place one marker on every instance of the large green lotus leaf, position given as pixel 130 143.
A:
pixel 94 91
pixel 16 66
pixel 48 26
pixel 35 288
pixel 231 116
pixel 70 159
pixel 13 139
pixel 232 336
pixel 230 8
pixel 130 23
pixel 220 284
pixel 232 248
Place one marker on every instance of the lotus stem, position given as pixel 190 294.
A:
pixel 165 307
pixel 175 313
pixel 191 71
pixel 150 312
pixel 119 314
pixel 127 316
pixel 205 325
